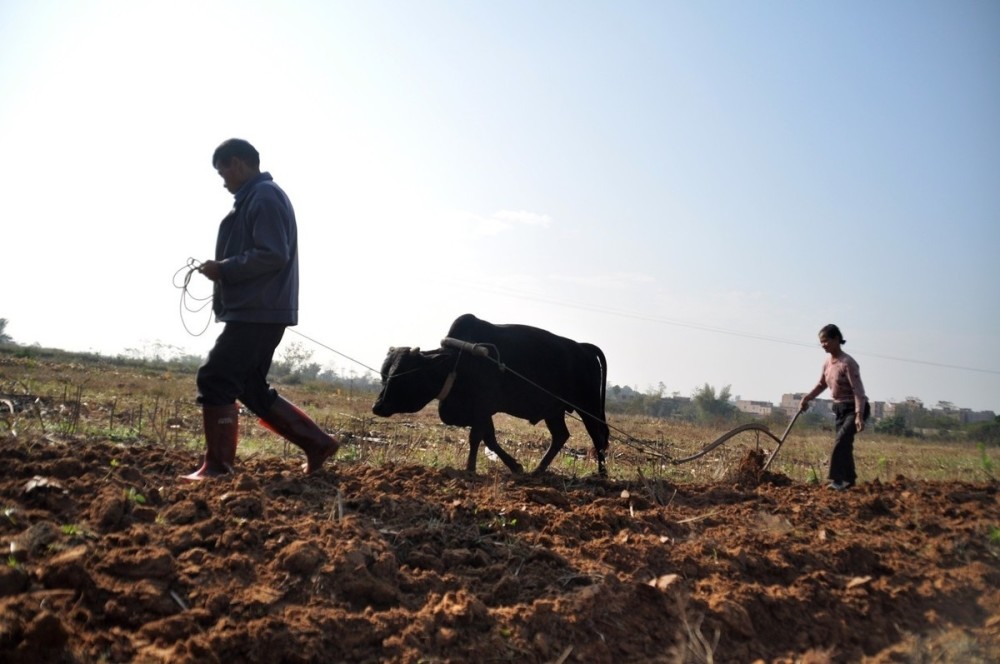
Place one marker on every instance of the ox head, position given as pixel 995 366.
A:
pixel 409 382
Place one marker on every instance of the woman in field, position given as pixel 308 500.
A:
pixel 842 375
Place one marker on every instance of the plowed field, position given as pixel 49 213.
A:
pixel 111 559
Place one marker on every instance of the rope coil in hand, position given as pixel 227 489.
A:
pixel 200 303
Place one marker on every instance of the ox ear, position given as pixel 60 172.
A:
pixel 415 350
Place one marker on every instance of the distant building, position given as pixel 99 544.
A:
pixel 790 404
pixel 967 416
pixel 678 406
pixel 758 408
pixel 912 405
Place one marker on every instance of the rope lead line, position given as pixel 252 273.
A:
pixel 332 350
pixel 192 266
pixel 481 350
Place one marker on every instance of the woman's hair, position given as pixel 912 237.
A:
pixel 236 147
pixel 831 331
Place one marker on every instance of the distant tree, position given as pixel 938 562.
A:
pixel 939 422
pixel 893 426
pixel 986 432
pixel 912 411
pixel 813 420
pixel 4 338
pixel 189 360
pixel 309 370
pixel 710 406
pixel 295 358
pixel 296 354
pixel 154 351
pixel 675 408
pixel 352 382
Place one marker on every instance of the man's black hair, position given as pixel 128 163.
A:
pixel 236 147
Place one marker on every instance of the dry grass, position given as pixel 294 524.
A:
pixel 132 404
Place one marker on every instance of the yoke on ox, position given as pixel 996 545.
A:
pixel 482 369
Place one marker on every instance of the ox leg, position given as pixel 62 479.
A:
pixel 599 433
pixel 475 435
pixel 488 435
pixel 560 434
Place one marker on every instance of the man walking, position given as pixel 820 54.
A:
pixel 256 295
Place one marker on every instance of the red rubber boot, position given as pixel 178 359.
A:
pixel 222 429
pixel 286 420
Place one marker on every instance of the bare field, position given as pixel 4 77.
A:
pixel 394 553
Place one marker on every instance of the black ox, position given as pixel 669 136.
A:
pixel 482 369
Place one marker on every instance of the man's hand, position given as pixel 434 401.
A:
pixel 212 270
pixel 859 422
pixel 803 405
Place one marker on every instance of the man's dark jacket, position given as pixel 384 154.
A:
pixel 257 247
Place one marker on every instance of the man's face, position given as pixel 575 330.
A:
pixel 234 174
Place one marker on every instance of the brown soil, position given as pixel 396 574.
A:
pixel 111 559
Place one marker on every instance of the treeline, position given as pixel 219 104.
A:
pixel 710 407
pixel 912 420
pixel 706 405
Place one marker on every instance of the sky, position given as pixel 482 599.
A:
pixel 697 188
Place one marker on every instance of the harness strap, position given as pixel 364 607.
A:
pixel 449 382
pixel 475 349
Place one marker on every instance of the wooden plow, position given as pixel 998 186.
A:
pixel 753 426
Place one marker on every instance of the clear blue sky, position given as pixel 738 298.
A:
pixel 695 187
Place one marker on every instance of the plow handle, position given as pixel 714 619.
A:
pixel 781 440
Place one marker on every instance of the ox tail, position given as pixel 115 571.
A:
pixel 599 354
pixel 598 428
